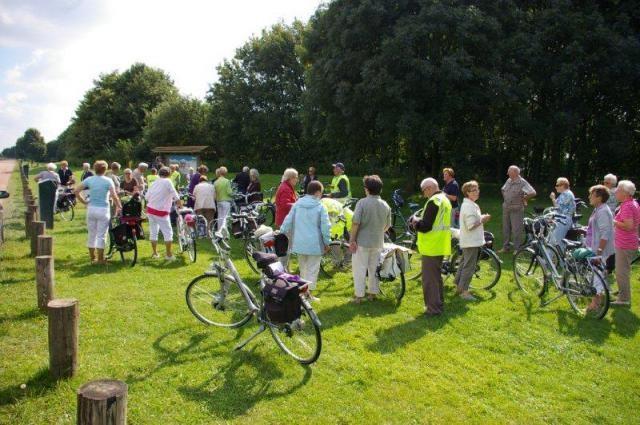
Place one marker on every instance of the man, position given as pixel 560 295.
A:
pixel 138 175
pixel 340 185
pixel 610 181
pixel 242 180
pixel 516 193
pixel 434 242
pixel 451 190
pixel 308 178
pixel 113 175
pixel 86 171
pixel 65 173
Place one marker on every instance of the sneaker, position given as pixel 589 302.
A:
pixel 172 258
pixel 156 255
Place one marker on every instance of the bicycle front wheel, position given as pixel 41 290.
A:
pixel 217 303
pixel 251 245
pixel 393 289
pixel 488 270
pixel 528 272
pixel 336 260
pixel 129 252
pixel 191 246
pixel 586 287
pixel 301 339
pixel 67 214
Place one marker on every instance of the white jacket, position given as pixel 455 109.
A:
pixel 469 216
pixel 205 195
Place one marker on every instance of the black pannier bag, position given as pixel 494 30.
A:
pixel 133 208
pixel 63 203
pixel 120 234
pixel 282 301
pixel 281 245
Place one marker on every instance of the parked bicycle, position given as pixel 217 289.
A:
pixel 186 222
pixel 65 204
pixel 220 297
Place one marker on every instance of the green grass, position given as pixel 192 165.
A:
pixel 503 359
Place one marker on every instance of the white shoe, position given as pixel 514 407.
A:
pixel 156 255
pixel 170 259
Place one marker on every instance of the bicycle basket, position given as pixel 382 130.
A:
pixel 282 301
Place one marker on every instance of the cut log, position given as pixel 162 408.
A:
pixel 102 402
pixel 45 281
pixel 28 219
pixel 63 337
pixel 37 229
pixel 45 245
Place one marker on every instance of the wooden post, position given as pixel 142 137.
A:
pixel 33 207
pixel 45 281
pixel 45 245
pixel 102 402
pixel 63 337
pixel 37 229
pixel 28 219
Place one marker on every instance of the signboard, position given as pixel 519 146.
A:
pixel 184 162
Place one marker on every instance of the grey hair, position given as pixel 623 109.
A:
pixel 627 187
pixel 289 173
pixel 611 178
pixel 429 181
pixel 514 167
pixel 86 165
pixel 51 166
pixel 245 169
pixel 143 165
pixel 222 171
pixel 253 172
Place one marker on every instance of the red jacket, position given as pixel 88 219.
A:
pixel 286 196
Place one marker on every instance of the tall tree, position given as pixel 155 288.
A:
pixel 31 145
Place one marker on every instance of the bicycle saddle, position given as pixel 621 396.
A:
pixel 263 259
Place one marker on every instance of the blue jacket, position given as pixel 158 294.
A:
pixel 311 228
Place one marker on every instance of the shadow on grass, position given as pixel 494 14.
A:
pixel 25 315
pixel 343 313
pixel 249 378
pixel 37 386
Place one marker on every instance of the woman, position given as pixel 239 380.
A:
pixel 308 178
pixel 129 185
pixel 160 197
pixel 100 189
pixel 194 181
pixel 307 225
pixel 565 202
pixel 286 194
pixel 625 225
pixel 205 199
pixel 254 188
pixel 152 177
pixel 471 237
pixel 599 238
pixel 224 196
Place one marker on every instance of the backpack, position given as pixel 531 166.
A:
pixel 282 300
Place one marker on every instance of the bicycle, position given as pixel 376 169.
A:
pixel 538 264
pixel 220 297
pixel 265 209
pixel 186 229
pixel 401 225
pixel 123 238
pixel 65 204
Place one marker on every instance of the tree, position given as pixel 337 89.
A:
pixel 31 145
pixel 9 152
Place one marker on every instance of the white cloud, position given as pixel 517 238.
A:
pixel 186 39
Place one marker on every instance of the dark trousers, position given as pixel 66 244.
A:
pixel 432 285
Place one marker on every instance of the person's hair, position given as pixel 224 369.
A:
pixel 245 169
pixel 563 181
pixel 288 174
pixel 468 187
pixel 64 163
pixel 627 187
pixel 86 165
pixel 100 167
pixel 312 169
pixel 164 172
pixel 217 172
pixel 514 167
pixel 314 187
pixel 174 167
pixel 254 173
pixel 127 171
pixel 600 191
pixel 202 169
pixel 449 171
pixel 115 165
pixel 203 178
pixel 429 181
pixel 143 165
pixel 373 184
pixel 222 171
pixel 611 178
pixel 154 170
pixel 51 166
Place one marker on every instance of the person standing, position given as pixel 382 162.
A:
pixel 434 242
pixel 516 193
pixel 113 174
pixel 65 173
pixel 255 188
pixel 286 194
pixel 371 219
pixel 610 181
pixel 160 198
pixel 205 199
pixel 48 175
pixel 471 238
pixel 100 189
pixel 625 225
pixel 138 175
pixel 565 202
pixel 451 190
pixel 224 196
pixel 340 185
pixel 307 226
pixel 242 180
pixel 152 177
pixel 308 178
pixel 194 181
pixel 86 171
pixel 129 185
pixel 175 176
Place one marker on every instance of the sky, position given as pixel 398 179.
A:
pixel 51 51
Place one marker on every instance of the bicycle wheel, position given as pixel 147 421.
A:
pixel 266 213
pixel 528 272
pixel 129 252
pixel 191 245
pixel 415 266
pixel 488 270
pixel 336 260
pixel 582 287
pixel 182 234
pixel 68 213
pixel 217 304
pixel 301 339
pixel 393 289
pixel 251 245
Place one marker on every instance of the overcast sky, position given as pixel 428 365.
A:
pixel 51 51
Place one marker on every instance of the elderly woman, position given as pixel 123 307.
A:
pixel 471 237
pixel 625 225
pixel 194 181
pixel 129 185
pixel 255 188
pixel 113 174
pixel 86 171
pixel 286 194
pixel 565 202
pixel 100 189
pixel 610 181
pixel 175 176
pixel 160 198
pixel 308 226
pixel 599 237
pixel 205 199
pixel 48 175
pixel 224 196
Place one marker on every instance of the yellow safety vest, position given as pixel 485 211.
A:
pixel 437 241
pixel 334 186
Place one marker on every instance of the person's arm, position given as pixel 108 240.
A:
pixel 355 226
pixel 115 197
pixel 425 224
pixel 286 224
pixel 626 224
pixel 325 228
pixel 453 196
pixel 78 192
pixel 342 190
pixel 529 191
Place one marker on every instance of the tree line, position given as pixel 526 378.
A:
pixel 401 87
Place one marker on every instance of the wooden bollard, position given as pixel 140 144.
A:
pixel 63 337
pixel 45 280
pixel 34 211
pixel 102 402
pixel 28 219
pixel 37 229
pixel 45 245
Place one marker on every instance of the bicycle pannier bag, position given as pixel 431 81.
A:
pixel 281 243
pixel 120 234
pixel 282 301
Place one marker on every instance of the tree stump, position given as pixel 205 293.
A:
pixel 37 229
pixel 45 245
pixel 45 281
pixel 102 402
pixel 63 337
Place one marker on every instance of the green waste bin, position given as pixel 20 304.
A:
pixel 47 199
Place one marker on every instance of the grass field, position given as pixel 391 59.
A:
pixel 500 360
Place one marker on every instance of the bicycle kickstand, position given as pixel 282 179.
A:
pixel 261 329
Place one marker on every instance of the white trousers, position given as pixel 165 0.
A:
pixel 223 211
pixel 160 223
pixel 309 268
pixel 97 225
pixel 364 261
